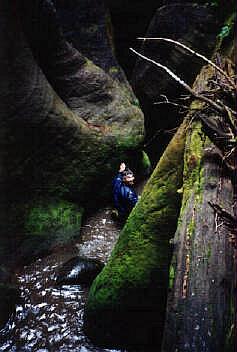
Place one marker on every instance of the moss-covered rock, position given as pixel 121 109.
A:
pixel 126 301
pixel 48 224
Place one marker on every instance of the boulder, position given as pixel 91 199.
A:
pixel 79 270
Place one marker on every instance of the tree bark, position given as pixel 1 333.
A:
pixel 200 309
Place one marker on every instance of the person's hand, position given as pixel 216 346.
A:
pixel 122 167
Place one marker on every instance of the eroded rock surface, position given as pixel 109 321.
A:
pixel 52 149
pixel 193 25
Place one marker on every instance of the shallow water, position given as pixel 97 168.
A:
pixel 50 318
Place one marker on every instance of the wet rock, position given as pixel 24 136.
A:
pixel 9 295
pixel 79 270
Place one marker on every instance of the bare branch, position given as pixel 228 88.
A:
pixel 167 101
pixel 232 83
pixel 230 112
pixel 155 135
pixel 228 155
pixel 181 82
pixel 228 219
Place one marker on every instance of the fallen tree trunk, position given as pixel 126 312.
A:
pixel 200 310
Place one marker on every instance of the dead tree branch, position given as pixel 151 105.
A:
pixel 204 58
pixel 227 218
pixel 167 101
pixel 220 128
pixel 182 83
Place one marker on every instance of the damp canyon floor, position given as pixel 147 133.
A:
pixel 50 318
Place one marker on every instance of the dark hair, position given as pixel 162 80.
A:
pixel 127 172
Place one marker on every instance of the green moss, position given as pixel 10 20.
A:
pixel 171 276
pixel 146 161
pixel 193 166
pixel 127 142
pixel 197 152
pixel 48 224
pixel 227 32
pixel 196 105
pixel 136 102
pixel 141 164
pixel 191 228
pixel 136 276
pixel 58 219
pixel 113 70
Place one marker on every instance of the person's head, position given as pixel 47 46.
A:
pixel 128 177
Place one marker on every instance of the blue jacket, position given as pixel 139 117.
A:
pixel 125 198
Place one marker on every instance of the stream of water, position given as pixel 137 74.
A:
pixel 50 318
